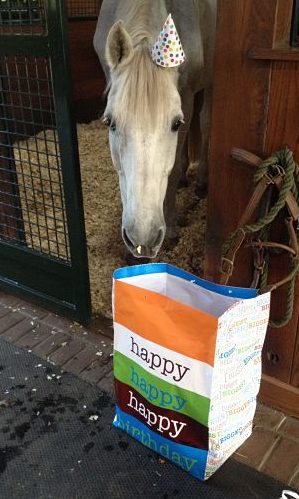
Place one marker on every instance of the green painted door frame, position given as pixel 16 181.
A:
pixel 59 284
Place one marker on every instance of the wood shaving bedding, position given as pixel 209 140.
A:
pixel 102 207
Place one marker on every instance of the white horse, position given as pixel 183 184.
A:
pixel 149 108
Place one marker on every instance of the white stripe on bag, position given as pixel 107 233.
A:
pixel 166 364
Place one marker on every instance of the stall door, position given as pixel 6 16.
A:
pixel 42 238
pixel 256 95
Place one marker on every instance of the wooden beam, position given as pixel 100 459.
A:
pixel 279 395
pixel 284 53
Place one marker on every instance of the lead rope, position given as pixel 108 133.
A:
pixel 291 183
pixel 281 170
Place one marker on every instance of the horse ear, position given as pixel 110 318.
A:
pixel 119 47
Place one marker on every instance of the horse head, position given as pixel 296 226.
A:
pixel 144 114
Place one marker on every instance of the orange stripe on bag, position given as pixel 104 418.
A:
pixel 162 320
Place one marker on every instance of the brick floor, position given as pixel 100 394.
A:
pixel 9 320
pixel 38 334
pixel 273 447
pixel 17 331
pixel 85 352
pixel 268 418
pixel 290 429
pixel 255 448
pixel 295 480
pixel 283 460
pixel 66 351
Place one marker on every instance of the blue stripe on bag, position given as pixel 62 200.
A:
pixel 188 458
pixel 159 268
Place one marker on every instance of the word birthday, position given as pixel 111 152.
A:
pixel 166 450
pixel 156 395
pixel 156 362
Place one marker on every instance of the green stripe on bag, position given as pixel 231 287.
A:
pixel 161 393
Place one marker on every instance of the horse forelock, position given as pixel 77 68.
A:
pixel 141 91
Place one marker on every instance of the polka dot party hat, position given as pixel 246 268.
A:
pixel 168 51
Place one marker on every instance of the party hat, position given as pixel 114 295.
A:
pixel 168 51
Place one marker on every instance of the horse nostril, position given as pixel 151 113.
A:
pixel 128 241
pixel 159 239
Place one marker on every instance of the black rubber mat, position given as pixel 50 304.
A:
pixel 56 441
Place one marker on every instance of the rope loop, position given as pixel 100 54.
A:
pixel 280 166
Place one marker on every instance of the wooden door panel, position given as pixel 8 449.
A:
pixel 283 116
pixel 295 363
pixel 283 22
pixel 279 359
pixel 238 120
pixel 256 91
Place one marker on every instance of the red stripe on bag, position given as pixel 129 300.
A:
pixel 170 424
pixel 166 322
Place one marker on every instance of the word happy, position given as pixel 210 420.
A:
pixel 162 423
pixel 155 362
pixel 156 395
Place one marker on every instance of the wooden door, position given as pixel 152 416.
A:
pixel 255 107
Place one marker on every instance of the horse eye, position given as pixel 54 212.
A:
pixel 107 121
pixel 176 125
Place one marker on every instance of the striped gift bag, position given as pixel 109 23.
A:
pixel 187 363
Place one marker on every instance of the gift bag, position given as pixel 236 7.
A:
pixel 187 363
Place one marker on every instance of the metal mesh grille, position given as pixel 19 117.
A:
pixel 22 17
pixel 83 8
pixel 295 25
pixel 32 207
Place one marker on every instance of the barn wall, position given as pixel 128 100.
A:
pixel 256 90
pixel 87 75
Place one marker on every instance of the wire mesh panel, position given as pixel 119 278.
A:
pixel 83 8
pixel 295 25
pixel 42 237
pixel 31 143
pixel 22 17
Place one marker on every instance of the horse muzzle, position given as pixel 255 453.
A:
pixel 148 250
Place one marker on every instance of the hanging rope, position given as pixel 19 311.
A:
pixel 279 170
